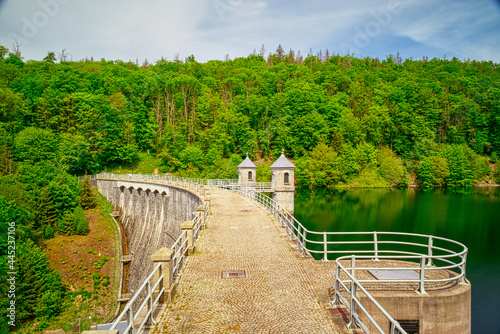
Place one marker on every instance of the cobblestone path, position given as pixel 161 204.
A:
pixel 279 293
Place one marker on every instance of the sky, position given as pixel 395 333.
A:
pixel 211 29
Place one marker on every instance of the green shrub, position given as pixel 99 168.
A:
pixel 80 222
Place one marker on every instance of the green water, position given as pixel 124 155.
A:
pixel 470 216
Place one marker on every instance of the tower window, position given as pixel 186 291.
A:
pixel 286 178
pixel 250 176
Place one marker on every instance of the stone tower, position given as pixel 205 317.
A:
pixel 284 182
pixel 247 172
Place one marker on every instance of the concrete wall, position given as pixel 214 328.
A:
pixel 286 199
pixel 151 215
pixel 443 311
pixel 284 193
pixel 243 174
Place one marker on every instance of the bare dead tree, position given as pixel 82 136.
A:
pixel 16 49
pixel 291 56
pixel 299 58
pixel 279 52
pixel 262 51
pixel 319 55
pixel 399 60
pixel 63 55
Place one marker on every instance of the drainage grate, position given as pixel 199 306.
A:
pixel 233 274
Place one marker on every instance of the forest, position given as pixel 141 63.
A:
pixel 344 121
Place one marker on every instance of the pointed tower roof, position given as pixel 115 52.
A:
pixel 282 162
pixel 247 163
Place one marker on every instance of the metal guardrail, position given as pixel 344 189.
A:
pixel 150 302
pixel 431 257
pixel 180 248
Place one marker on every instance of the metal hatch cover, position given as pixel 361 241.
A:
pixel 395 274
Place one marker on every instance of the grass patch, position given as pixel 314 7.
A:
pixel 146 163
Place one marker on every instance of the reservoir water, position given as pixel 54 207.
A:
pixel 468 215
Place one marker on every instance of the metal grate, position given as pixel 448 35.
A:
pixel 233 274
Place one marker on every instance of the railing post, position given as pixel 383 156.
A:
pixel 201 210
pixel 429 251
pixel 325 246
pixel 352 323
pixel 463 280
pixel 375 244
pixel 188 226
pixel 164 256
pixel 393 329
pixel 336 286
pixel 130 320
pixel 421 289
pixel 206 200
pixel 151 321
pixel 297 237
pixel 304 248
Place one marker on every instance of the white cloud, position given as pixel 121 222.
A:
pixel 209 29
pixel 466 29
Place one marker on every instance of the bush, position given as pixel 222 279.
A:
pixel 80 222
pixel 49 232
pixel 87 198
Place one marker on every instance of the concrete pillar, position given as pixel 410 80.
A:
pixel 188 226
pixel 164 256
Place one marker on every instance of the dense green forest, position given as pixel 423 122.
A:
pixel 344 121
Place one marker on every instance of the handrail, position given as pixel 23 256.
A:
pixel 454 260
pixel 180 248
pixel 128 311
pixel 428 259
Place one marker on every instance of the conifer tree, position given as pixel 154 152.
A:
pixel 80 222
pixel 5 160
pixel 47 213
pixel 87 199
pixel 49 232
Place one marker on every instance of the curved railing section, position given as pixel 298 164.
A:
pixel 429 253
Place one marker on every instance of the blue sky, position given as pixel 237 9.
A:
pixel 210 29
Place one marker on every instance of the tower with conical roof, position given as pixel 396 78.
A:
pixel 247 172
pixel 284 182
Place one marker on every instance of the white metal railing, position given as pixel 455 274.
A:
pixel 353 304
pixel 150 302
pixel 180 248
pixel 423 249
pixel 254 186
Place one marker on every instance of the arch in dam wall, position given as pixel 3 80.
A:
pixel 151 215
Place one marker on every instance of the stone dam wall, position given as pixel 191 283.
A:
pixel 151 215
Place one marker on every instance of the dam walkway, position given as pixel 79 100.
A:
pixel 245 276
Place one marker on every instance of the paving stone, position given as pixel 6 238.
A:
pixel 278 293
